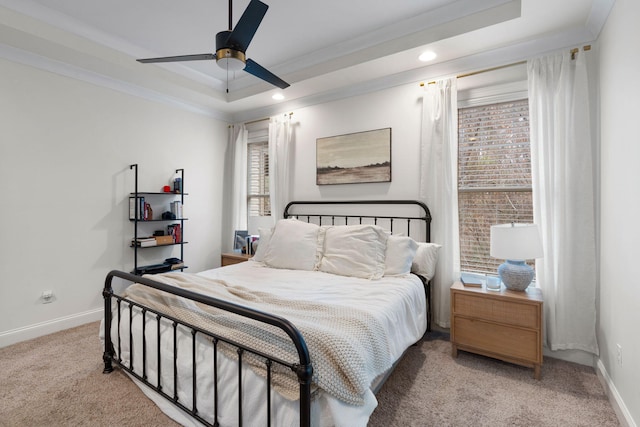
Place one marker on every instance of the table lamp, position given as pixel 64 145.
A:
pixel 515 243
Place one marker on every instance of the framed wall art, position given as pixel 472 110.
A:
pixel 354 158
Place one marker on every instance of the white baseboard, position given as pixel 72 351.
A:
pixel 39 329
pixel 616 401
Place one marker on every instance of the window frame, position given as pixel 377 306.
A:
pixel 474 251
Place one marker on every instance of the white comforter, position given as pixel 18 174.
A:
pixel 397 302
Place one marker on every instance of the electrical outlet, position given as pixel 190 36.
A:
pixel 619 354
pixel 47 297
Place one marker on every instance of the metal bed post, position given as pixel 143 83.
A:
pixel 107 356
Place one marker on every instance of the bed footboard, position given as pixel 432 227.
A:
pixel 303 368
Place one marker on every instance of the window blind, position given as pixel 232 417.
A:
pixel 494 177
pixel 258 203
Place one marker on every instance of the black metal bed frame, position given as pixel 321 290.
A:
pixel 303 368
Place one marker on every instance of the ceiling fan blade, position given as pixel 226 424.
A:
pixel 199 57
pixel 252 67
pixel 247 26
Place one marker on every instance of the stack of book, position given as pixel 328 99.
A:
pixel 175 231
pixel 176 208
pixel 139 209
pixel 472 280
pixel 168 265
pixel 144 242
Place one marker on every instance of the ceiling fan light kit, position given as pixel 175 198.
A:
pixel 231 46
pixel 229 59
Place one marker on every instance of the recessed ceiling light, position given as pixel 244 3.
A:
pixel 278 97
pixel 427 56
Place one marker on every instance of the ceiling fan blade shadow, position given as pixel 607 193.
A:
pixel 247 26
pixel 199 57
pixel 252 67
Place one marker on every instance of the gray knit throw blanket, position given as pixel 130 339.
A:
pixel 347 345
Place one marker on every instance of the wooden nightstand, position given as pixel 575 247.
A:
pixel 233 258
pixel 506 325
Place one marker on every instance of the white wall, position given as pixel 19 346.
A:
pixel 620 206
pixel 65 152
pixel 399 108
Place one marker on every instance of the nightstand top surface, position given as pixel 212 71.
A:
pixel 236 255
pixel 530 293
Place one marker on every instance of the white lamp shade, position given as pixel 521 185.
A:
pixel 516 241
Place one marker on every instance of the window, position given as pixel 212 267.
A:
pixel 258 203
pixel 494 177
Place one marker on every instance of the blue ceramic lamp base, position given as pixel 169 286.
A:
pixel 516 275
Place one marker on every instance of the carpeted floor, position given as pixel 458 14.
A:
pixel 57 380
pixel 430 388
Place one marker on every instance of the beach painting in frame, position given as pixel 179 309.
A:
pixel 354 158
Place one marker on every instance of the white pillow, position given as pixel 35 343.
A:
pixel 425 260
pixel 263 243
pixel 293 245
pixel 401 251
pixel 354 250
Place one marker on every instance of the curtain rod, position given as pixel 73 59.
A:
pixel 262 120
pixel 256 121
pixel 500 67
pixel 486 70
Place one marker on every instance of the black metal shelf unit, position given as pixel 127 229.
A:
pixel 161 267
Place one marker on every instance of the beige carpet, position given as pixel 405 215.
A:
pixel 57 380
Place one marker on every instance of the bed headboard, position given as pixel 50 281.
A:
pixel 409 217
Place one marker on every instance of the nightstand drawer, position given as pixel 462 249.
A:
pixel 496 338
pixel 497 310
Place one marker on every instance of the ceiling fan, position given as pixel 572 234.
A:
pixel 232 44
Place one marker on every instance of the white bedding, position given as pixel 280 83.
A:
pixel 397 302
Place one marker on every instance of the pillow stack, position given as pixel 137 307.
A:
pixel 364 251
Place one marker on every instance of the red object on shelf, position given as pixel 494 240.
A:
pixel 166 189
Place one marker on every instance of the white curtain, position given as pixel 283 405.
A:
pixel 563 198
pixel 279 164
pixel 238 142
pixel 439 187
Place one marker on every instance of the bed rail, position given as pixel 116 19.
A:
pixel 303 368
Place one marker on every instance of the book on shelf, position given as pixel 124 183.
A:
pixel 143 238
pixel 175 231
pixel 136 206
pixel 471 280
pixel 153 269
pixel 144 242
pixel 176 208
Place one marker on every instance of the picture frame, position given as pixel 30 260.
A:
pixel 355 158
pixel 240 240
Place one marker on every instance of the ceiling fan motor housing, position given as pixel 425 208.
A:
pixel 228 56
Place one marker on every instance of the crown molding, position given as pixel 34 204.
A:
pixel 47 64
